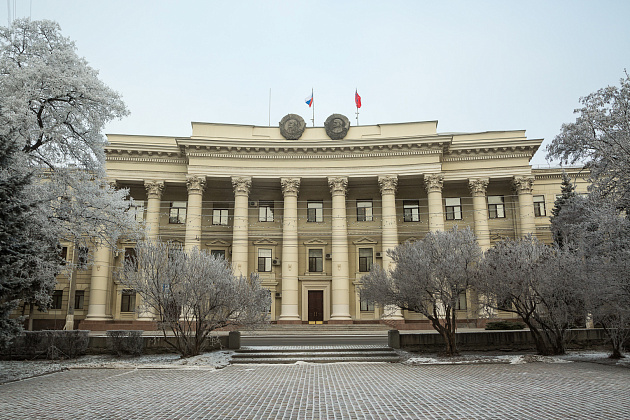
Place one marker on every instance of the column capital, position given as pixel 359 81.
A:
pixel 195 184
pixel 338 185
pixel 433 182
pixel 154 188
pixel 478 186
pixel 241 185
pixel 290 186
pixel 524 184
pixel 388 184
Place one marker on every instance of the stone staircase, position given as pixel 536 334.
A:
pixel 323 329
pixel 314 354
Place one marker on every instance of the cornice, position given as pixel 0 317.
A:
pixel 488 154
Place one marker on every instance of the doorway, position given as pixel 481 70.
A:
pixel 315 306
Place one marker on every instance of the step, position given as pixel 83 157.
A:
pixel 327 354
pixel 292 360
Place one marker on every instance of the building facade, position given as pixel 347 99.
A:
pixel 312 209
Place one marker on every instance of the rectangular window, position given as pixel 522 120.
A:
pixel 220 217
pixel 411 210
pixel 496 207
pixel 177 214
pixel 265 211
pixel 364 210
pixel 365 259
pixel 130 258
pixel 461 302
pixel 315 211
pixel 315 260
pixel 128 301
pixel 57 298
pixel 64 255
pixel 539 206
pixel 366 305
pixel 218 253
pixel 264 260
pixel 453 208
pixel 137 210
pixel 82 260
pixel 79 295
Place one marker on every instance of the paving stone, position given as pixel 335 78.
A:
pixel 327 391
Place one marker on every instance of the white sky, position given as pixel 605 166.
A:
pixel 471 65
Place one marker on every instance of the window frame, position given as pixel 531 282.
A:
pixel 137 209
pixel 216 253
pixel 177 213
pixel 411 205
pixel 265 260
pixel 366 262
pixel 57 299
pixel 128 301
pixel 265 211
pixel 363 215
pixel 83 253
pixel 315 261
pixel 497 208
pixel 220 217
pixel 79 299
pixel 364 305
pixel 318 211
pixel 453 210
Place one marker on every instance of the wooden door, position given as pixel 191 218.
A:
pixel 315 305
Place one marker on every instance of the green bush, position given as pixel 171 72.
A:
pixel 505 325
pixel 122 342
pixel 48 344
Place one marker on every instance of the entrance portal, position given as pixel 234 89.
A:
pixel 316 306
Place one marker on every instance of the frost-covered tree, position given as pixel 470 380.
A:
pixel 53 108
pixel 542 284
pixel 600 137
pixel 428 278
pixel 192 293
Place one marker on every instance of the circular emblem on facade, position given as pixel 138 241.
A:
pixel 337 126
pixel 292 126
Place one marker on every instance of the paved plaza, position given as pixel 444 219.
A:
pixel 327 391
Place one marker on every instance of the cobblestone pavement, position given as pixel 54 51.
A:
pixel 327 391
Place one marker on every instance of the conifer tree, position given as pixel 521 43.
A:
pixel 567 194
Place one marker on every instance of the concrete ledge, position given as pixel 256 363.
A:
pixel 152 345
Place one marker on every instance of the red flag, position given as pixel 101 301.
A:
pixel 357 99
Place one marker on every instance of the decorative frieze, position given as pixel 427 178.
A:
pixel 524 184
pixel 338 185
pixel 434 182
pixel 154 189
pixel 195 184
pixel 290 186
pixel 241 185
pixel 388 184
pixel 478 186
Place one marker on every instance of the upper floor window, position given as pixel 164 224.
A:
pixel 137 210
pixel 364 211
pixel 128 301
pixel 315 211
pixel 220 217
pixel 496 207
pixel 411 211
pixel 265 211
pixel 365 259
pixel 177 213
pixel 461 301
pixel 264 260
pixel 64 255
pixel 539 206
pixel 453 208
pixel 315 260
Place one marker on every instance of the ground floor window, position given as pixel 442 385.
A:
pixel 57 298
pixel 128 301
pixel 79 296
pixel 366 305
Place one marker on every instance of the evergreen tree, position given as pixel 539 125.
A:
pixel 568 194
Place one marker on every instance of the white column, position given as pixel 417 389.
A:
pixel 97 308
pixel 289 310
pixel 154 197
pixel 240 229
pixel 389 230
pixel 478 188
pixel 433 184
pixel 195 186
pixel 524 187
pixel 340 270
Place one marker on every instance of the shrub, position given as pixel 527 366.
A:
pixel 122 342
pixel 505 325
pixel 49 344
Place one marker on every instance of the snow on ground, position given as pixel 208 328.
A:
pixel 13 370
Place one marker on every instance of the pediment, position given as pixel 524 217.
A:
pixel 315 242
pixel 265 242
pixel 217 242
pixel 365 241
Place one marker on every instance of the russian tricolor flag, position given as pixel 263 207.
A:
pixel 309 100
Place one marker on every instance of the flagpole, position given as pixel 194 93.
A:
pixel 357 105
pixel 313 99
pixel 269 107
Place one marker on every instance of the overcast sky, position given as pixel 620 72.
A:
pixel 471 65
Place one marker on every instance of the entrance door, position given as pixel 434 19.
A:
pixel 316 305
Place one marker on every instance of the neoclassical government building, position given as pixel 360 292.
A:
pixel 312 209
